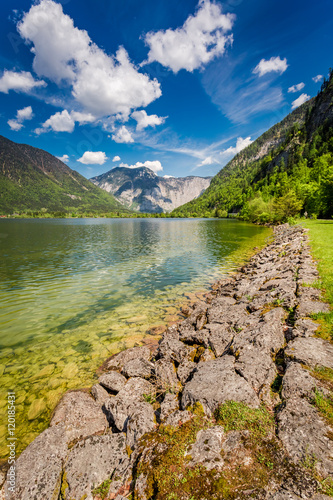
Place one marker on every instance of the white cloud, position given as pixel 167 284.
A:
pixel 168 176
pixel 317 78
pixel 93 158
pixel 201 38
pixel 240 144
pixel 22 81
pixel 21 115
pixel 82 118
pixel 296 88
pixel 63 158
pixel 15 125
pixel 274 64
pixel 122 135
pixel 103 85
pixel 143 120
pixel 207 161
pixel 59 122
pixel 300 100
pixel 116 158
pixel 155 166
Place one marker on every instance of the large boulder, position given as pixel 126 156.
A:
pixel 113 381
pixel 216 382
pixel 141 420
pixel 311 351
pixel 79 415
pixel 118 360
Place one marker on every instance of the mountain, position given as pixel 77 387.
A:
pixel 287 170
pixel 32 179
pixel 142 190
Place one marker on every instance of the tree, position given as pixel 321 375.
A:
pixel 287 206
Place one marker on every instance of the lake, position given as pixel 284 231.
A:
pixel 75 291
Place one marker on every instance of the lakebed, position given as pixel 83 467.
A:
pixel 73 292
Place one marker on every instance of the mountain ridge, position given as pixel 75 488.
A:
pixel 140 189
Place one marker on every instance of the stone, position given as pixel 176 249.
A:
pixel 119 406
pixel 70 371
pixel 306 327
pixel 138 368
pixel 311 352
pixel 118 360
pixel 191 336
pixel 141 420
pixel 169 404
pixel 99 394
pixel 185 369
pixel 166 376
pixel 173 349
pixel 37 407
pixel 79 415
pixel 215 382
pixel 297 382
pixel 178 418
pixel 307 307
pixel 304 434
pixel 109 458
pixel 206 450
pixel 220 337
pixel 233 314
pixel 39 467
pixel 113 381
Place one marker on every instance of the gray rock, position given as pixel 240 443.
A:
pixel 304 435
pixel 120 406
pixel 113 381
pixel 188 334
pixel 297 382
pixel 257 367
pixel 138 368
pixel 220 337
pixel 233 314
pixel 79 415
pixel 166 376
pixel 118 360
pixel 216 382
pixel 39 467
pixel 306 327
pixel 283 495
pixel 141 420
pixel 207 355
pixel 173 349
pixel 168 405
pixel 109 458
pixel 311 351
pixel 307 307
pixel 185 370
pixel 99 394
pixel 178 418
pixel 141 486
pixel 206 450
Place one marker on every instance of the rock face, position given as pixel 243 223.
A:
pixel 142 190
pixel 235 401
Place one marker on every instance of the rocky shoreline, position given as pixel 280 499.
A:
pixel 231 404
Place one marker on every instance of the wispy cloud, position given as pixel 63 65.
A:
pixel 317 78
pixel 296 88
pixel 300 100
pixel 272 65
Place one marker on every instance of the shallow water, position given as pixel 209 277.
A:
pixel 74 291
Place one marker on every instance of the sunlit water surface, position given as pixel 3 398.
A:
pixel 74 291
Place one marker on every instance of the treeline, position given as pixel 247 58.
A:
pixel 295 177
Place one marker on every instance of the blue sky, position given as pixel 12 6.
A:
pixel 177 86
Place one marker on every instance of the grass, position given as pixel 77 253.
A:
pixel 102 490
pixel 325 405
pixel 238 417
pixel 321 242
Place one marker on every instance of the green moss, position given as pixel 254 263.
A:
pixel 102 489
pixel 238 417
pixel 325 405
pixel 326 487
pixel 64 486
pixel 196 409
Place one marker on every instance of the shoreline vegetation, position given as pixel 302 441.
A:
pixel 210 410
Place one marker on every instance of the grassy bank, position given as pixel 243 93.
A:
pixel 321 241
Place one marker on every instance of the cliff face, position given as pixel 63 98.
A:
pixel 142 190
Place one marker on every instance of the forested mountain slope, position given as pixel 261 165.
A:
pixel 32 179
pixel 287 170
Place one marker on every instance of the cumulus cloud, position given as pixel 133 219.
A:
pixel 116 158
pixel 317 78
pixel 300 100
pixel 240 144
pixel 274 64
pixel 296 88
pixel 63 158
pixel 93 158
pixel 82 118
pixel 123 135
pixel 155 166
pixel 168 176
pixel 201 38
pixel 206 161
pixel 59 122
pixel 103 85
pixel 22 81
pixel 143 120
pixel 21 115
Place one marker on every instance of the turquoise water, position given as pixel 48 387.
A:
pixel 74 291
